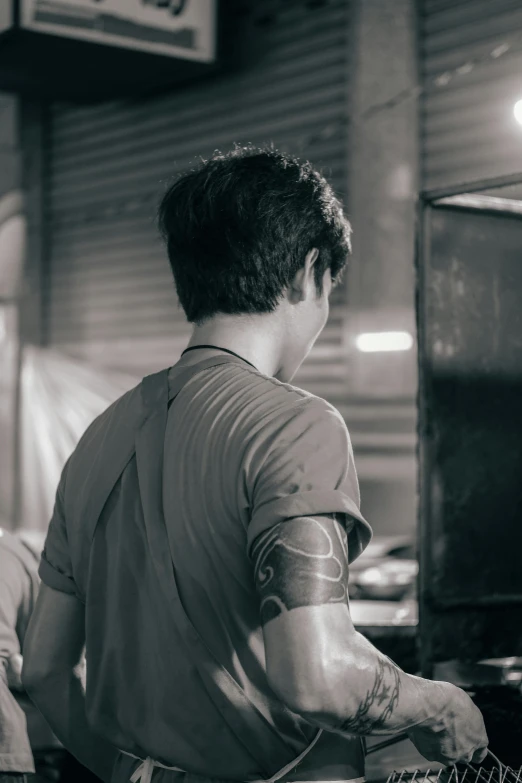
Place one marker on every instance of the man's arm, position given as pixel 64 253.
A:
pixel 51 674
pixel 326 671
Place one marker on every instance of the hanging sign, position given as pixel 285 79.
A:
pixel 185 29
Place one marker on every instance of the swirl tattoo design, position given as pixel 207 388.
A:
pixel 301 562
pixel 304 562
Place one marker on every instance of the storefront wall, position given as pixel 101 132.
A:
pixel 471 59
pixel 106 296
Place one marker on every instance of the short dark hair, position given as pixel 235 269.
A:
pixel 238 228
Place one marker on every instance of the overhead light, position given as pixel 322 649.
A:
pixel 517 111
pixel 373 342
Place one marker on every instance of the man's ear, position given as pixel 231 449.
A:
pixel 305 278
pixel 310 260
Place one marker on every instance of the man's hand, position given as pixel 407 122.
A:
pixel 457 734
pixel 13 668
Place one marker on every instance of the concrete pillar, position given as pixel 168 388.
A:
pixel 381 278
pixel 383 191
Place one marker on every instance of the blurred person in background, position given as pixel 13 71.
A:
pixel 18 592
pixel 27 744
pixel 204 526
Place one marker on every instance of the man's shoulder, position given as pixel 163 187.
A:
pixel 287 395
pixel 121 413
pixel 12 546
pixel 286 411
pixel 15 558
pixel 299 402
pixel 102 439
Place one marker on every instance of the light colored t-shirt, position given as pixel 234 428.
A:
pixel 242 452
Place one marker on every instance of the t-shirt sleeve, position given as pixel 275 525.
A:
pixel 307 468
pixel 55 566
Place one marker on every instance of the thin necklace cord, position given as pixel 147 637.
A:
pixel 218 348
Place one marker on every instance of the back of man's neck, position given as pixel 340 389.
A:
pixel 248 337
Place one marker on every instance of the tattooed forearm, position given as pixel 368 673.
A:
pixel 301 562
pixel 316 660
pixel 376 709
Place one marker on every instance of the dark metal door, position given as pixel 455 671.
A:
pixel 470 354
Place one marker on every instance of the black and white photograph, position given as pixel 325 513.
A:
pixel 260 391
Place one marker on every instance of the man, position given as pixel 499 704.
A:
pixel 204 525
pixel 26 741
pixel 18 591
pixel 27 744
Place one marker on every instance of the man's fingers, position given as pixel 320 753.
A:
pixel 479 755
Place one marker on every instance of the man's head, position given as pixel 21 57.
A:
pixel 256 233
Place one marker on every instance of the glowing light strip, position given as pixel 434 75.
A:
pixel 375 342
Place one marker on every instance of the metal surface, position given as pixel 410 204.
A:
pixel 476 602
pixel 110 292
pixel 470 285
pixel 471 57
pixel 494 772
pixel 483 203
pixel 507 186
pixel 387 743
pixel 490 672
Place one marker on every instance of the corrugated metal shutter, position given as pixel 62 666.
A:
pixel 471 58
pixel 110 299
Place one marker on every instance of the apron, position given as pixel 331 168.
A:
pixel 146 442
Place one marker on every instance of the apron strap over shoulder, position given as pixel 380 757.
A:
pixel 119 446
pixel 251 728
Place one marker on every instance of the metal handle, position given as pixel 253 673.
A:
pixel 387 743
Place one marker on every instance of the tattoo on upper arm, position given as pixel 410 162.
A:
pixel 384 693
pixel 301 562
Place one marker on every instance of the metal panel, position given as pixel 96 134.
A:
pixel 470 448
pixel 110 296
pixel 471 60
